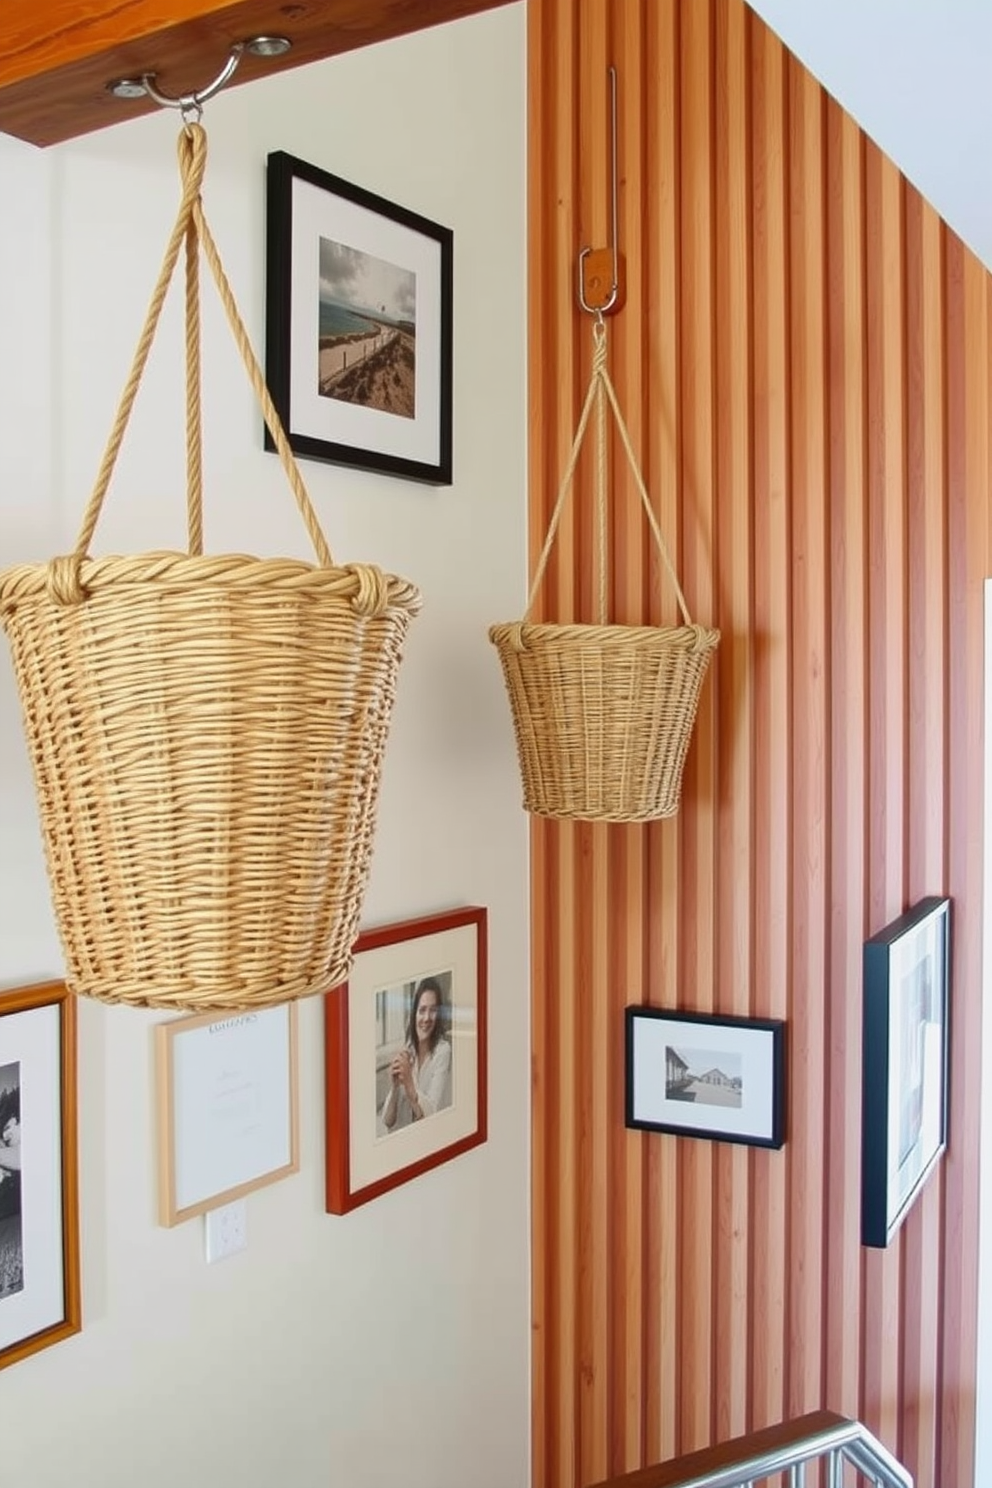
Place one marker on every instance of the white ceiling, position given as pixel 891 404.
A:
pixel 917 76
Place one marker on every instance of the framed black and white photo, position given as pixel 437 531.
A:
pixel 358 324
pixel 39 1202
pixel 406 1055
pixel 904 1095
pixel 701 1075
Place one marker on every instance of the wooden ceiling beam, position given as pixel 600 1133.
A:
pixel 57 56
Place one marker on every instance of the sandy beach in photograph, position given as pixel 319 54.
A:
pixel 338 352
pixel 376 371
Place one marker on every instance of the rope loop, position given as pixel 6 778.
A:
pixel 191 148
pixel 599 346
pixel 371 598
pixel 63 582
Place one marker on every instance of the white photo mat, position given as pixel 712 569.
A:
pixel 917 1043
pixel 316 215
pixel 744 1054
pixel 372 1155
pixel 32 1040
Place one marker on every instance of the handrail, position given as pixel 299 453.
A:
pixel 747 1460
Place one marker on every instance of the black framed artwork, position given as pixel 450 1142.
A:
pixel 358 325
pixel 702 1075
pixel 906 971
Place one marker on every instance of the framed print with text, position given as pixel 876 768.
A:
pixel 406 1055
pixel 358 324
pixel 228 1107
pixel 39 1187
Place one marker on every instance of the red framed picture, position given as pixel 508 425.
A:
pixel 405 1053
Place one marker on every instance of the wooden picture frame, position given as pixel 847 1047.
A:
pixel 704 1075
pixel 40 1296
pixel 358 325
pixel 384 1128
pixel 904 1105
pixel 228 1107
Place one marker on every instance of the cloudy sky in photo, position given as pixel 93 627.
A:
pixel 353 278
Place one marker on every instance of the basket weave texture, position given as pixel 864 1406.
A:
pixel 603 714
pixel 206 735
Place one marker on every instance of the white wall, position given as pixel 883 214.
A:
pixel 914 74
pixel 391 1345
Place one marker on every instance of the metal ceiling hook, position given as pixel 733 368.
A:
pixel 190 105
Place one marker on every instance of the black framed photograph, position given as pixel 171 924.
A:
pixel 906 969
pixel 702 1075
pixel 39 1191
pixel 358 343
pixel 405 1054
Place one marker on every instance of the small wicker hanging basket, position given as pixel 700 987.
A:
pixel 603 714
pixel 206 732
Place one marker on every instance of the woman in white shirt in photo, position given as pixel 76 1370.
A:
pixel 420 1074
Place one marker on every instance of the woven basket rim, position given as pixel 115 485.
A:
pixel 169 568
pixel 694 637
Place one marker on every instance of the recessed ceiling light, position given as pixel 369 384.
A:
pixel 268 46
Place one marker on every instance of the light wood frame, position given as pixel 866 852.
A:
pixel 171 1211
pixel 22 1000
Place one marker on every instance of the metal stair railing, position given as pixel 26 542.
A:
pixel 746 1461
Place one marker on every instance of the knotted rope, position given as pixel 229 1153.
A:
pixel 190 229
pixel 600 393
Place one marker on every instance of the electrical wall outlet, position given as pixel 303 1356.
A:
pixel 227 1230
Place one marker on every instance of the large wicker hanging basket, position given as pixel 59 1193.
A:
pixel 206 733
pixel 603 714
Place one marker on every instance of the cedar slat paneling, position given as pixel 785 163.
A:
pixel 656 216
pixel 629 868
pixel 770 887
pixel 734 805
pixel 887 621
pixel 927 737
pixel 848 799
pixel 808 681
pixel 697 397
pixel 804 357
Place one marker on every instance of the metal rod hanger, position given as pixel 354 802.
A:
pixel 610 299
pixel 191 104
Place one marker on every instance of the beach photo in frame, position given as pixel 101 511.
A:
pixel 906 969
pixel 701 1075
pixel 406 1081
pixel 39 1185
pixel 358 324
pixel 228 1107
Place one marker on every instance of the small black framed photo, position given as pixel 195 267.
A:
pixel 906 970
pixel 358 324
pixel 702 1075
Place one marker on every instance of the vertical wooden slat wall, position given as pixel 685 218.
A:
pixel 804 356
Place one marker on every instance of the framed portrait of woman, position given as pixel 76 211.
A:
pixel 406 1055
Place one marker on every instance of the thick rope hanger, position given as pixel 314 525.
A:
pixel 600 393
